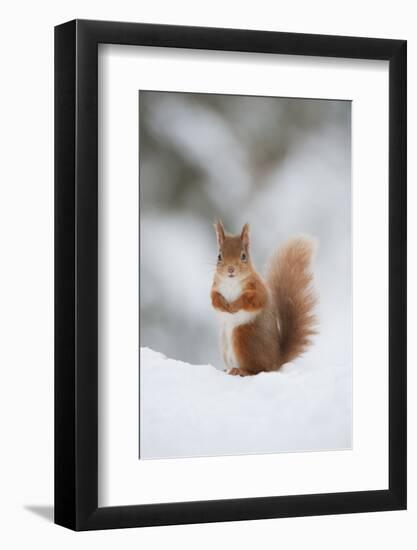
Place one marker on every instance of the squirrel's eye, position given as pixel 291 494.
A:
pixel 219 258
pixel 243 257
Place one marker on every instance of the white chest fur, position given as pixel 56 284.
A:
pixel 231 289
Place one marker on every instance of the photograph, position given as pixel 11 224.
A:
pixel 208 274
pixel 245 275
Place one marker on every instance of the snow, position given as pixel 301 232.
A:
pixel 198 410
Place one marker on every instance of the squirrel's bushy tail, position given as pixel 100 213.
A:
pixel 290 279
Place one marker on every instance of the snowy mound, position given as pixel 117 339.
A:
pixel 198 410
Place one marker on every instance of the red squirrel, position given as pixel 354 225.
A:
pixel 265 322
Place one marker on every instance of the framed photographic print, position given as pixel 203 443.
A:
pixel 230 252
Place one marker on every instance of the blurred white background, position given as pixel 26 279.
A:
pixel 281 164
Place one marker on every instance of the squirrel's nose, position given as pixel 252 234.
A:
pixel 230 269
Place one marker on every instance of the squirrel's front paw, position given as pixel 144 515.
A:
pixel 233 308
pixel 219 302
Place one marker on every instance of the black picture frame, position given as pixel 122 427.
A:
pixel 76 273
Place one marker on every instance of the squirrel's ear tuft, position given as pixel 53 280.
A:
pixel 218 226
pixel 244 236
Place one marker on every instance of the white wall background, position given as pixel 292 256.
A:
pixel 26 286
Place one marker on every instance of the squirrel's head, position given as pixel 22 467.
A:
pixel 233 259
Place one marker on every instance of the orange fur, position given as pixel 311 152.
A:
pixel 218 302
pixel 252 354
pixel 290 280
pixel 279 312
pixel 253 297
